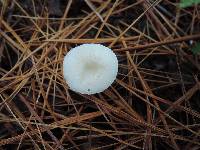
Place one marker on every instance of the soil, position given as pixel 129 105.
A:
pixel 154 102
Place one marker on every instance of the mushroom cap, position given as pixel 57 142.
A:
pixel 90 68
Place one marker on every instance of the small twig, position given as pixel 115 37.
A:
pixel 150 45
pixel 99 40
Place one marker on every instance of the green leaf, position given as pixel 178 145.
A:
pixel 188 3
pixel 196 48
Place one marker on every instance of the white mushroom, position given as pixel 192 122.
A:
pixel 90 68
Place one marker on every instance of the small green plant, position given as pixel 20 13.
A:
pixel 188 3
pixel 196 48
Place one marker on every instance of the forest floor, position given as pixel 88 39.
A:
pixel 153 104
